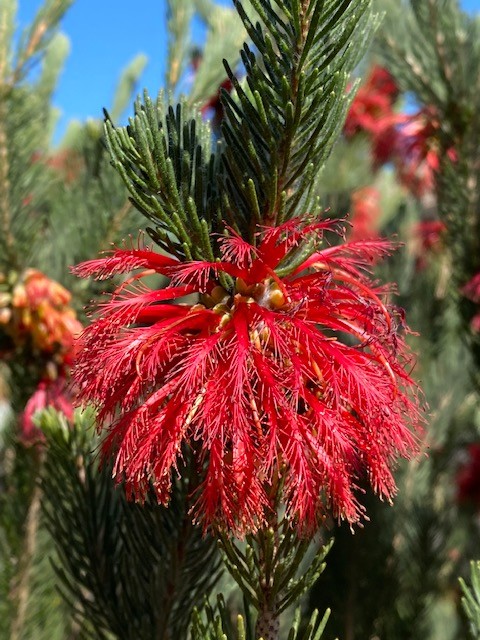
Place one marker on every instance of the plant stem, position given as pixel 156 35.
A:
pixel 268 620
pixel 268 625
pixel 5 213
pixel 20 591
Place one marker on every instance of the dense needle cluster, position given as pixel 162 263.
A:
pixel 280 373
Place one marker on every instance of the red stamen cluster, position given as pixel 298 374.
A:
pixel 275 376
pixel 417 152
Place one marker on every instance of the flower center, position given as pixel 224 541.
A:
pixel 266 294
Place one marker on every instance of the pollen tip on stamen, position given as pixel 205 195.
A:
pixel 197 307
pixel 218 294
pixel 241 286
pixel 276 299
pixel 225 319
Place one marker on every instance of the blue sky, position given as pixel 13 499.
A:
pixel 104 37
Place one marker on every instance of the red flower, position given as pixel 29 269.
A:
pixel 468 478
pixel 365 213
pixel 372 112
pixel 49 393
pixel 427 239
pixel 372 103
pixel 285 368
pixel 66 162
pixel 213 107
pixel 472 291
pixel 417 151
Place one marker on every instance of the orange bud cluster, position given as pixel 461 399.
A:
pixel 35 312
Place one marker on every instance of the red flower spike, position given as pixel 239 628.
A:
pixel 49 393
pixel 472 288
pixel 427 240
pixel 417 151
pixel 365 214
pixel 299 377
pixel 472 291
pixel 372 112
pixel 372 104
pixel 468 477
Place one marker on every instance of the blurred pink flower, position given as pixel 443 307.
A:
pixel 427 237
pixel 468 477
pixel 365 212
pixel 417 151
pixel 49 393
pixel 371 112
pixel 472 291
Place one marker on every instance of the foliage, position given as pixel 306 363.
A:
pixel 416 549
pixel 282 129
pixel 218 626
pixel 273 147
pixel 471 599
pixel 127 570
